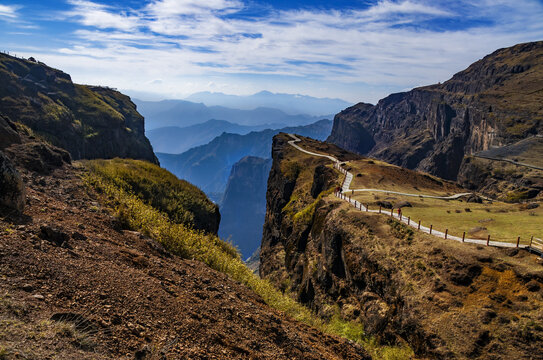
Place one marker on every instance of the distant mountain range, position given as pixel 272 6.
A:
pixel 232 170
pixel 183 113
pixel 208 166
pixel 175 140
pixel 292 104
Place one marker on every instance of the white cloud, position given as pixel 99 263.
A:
pixel 9 11
pixel 170 8
pixel 385 46
pixel 89 13
pixel 387 7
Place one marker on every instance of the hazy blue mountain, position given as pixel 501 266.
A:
pixel 244 204
pixel 183 113
pixel 175 140
pixel 289 103
pixel 208 166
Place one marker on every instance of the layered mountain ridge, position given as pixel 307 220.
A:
pixel 494 102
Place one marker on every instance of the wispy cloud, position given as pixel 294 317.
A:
pixel 391 43
pixel 9 11
pixel 89 13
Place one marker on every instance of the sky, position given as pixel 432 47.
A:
pixel 358 50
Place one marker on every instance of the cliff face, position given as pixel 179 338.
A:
pixel 87 121
pixel 441 297
pixel 244 204
pixel 496 101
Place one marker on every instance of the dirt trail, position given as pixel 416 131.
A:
pixel 346 189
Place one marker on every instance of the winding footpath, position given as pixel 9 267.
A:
pixel 361 207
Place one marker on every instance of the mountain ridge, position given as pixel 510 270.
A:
pixel 185 113
pixel 494 102
pixel 87 121
pixel 292 104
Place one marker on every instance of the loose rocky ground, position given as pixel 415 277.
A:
pixel 73 284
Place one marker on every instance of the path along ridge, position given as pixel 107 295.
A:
pixel 359 206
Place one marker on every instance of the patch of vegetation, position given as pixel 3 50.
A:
pixel 516 196
pixel 401 231
pixel 291 169
pixel 183 202
pixel 305 215
pixel 219 255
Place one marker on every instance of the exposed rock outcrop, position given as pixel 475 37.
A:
pixel 492 103
pixel 12 190
pixel 87 121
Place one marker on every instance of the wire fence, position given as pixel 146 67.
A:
pixel 535 244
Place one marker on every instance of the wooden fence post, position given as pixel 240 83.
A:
pixel 431 226
pixel 379 209
pixel 518 241
pixel 419 226
pixel 409 220
pixel 392 212
pixel 464 237
pixel 488 240
pixel 367 208
pixel 446 233
pixel 531 240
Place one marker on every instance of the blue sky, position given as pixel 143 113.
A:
pixel 355 50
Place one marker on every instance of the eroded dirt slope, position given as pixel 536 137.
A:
pixel 74 285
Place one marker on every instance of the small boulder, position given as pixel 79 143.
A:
pixel 474 199
pixel 403 204
pixel 56 236
pixel 39 157
pixel 385 204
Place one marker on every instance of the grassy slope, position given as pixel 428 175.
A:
pixel 183 202
pixel 183 241
pixel 411 256
pixel 503 221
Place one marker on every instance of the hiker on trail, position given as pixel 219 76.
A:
pixel 338 189
pixel 399 211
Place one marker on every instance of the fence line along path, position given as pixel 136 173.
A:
pixel 416 225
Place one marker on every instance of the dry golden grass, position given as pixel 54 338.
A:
pixel 502 221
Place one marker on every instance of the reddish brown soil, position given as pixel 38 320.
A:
pixel 136 300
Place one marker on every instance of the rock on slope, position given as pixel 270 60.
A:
pixel 244 204
pixel 87 121
pixel 446 299
pixel 494 102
